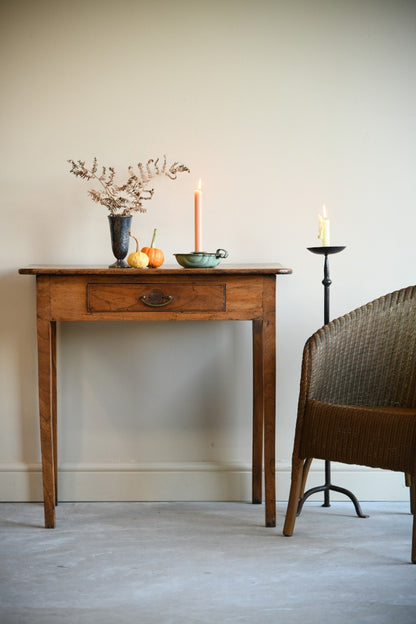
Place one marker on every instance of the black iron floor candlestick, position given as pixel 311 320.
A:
pixel 328 486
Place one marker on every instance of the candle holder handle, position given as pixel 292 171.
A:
pixel 327 486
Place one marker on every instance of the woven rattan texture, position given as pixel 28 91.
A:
pixel 374 437
pixel 367 357
pixel 357 400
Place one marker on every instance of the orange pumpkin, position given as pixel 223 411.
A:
pixel 156 257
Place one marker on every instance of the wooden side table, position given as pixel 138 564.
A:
pixel 235 292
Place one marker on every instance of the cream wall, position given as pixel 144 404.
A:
pixel 279 107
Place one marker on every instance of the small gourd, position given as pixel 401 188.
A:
pixel 156 257
pixel 137 259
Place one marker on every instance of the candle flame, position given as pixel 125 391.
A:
pixel 200 185
pixel 324 211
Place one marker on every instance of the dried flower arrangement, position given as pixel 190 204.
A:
pixel 127 198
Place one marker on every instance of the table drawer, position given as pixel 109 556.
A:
pixel 150 297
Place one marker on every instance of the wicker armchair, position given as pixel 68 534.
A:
pixel 357 402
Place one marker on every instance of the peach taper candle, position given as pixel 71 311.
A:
pixel 198 217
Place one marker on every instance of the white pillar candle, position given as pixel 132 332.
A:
pixel 324 227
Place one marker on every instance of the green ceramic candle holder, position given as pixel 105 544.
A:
pixel 200 259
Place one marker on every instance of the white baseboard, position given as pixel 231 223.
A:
pixel 187 481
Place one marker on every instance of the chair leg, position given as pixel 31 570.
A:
pixel 412 486
pixel 305 472
pixel 295 488
pixel 413 511
pixel 414 541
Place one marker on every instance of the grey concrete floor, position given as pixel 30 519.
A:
pixel 205 563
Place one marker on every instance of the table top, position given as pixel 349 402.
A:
pixel 225 269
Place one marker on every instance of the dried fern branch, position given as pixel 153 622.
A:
pixel 127 198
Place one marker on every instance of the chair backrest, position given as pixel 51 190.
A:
pixel 368 357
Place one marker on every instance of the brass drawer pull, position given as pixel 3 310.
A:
pixel 156 299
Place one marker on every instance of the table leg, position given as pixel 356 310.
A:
pixel 47 396
pixel 258 405
pixel 54 409
pixel 269 397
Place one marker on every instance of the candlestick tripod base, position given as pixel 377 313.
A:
pixel 326 250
